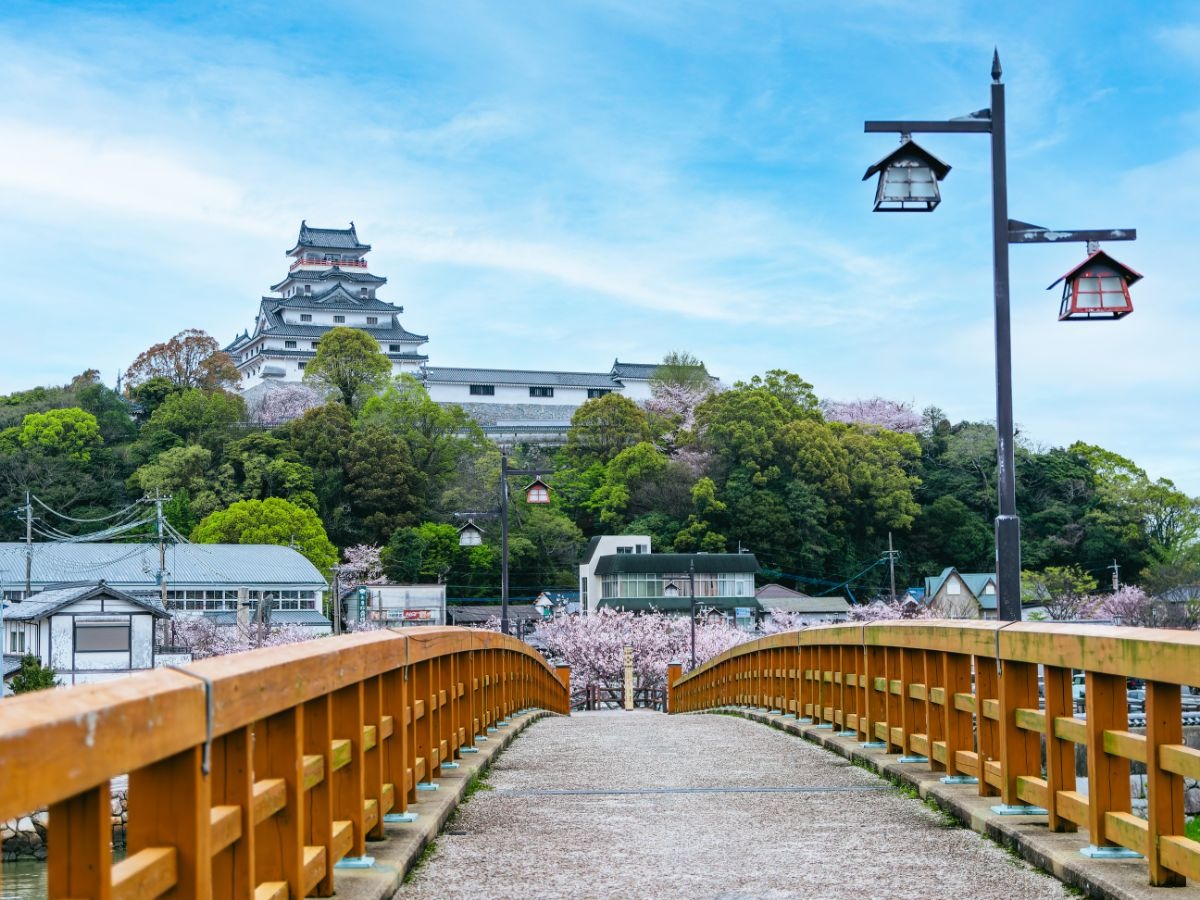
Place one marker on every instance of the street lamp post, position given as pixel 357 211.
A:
pixel 692 605
pixel 908 183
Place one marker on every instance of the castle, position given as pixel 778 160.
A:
pixel 328 284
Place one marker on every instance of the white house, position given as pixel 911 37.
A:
pixel 598 548
pixel 201 579
pixel 85 633
pixel 962 595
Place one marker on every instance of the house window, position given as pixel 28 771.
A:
pixel 101 638
pixel 642 548
pixel 393 348
pixel 305 317
pixel 953 587
pixel 593 393
pixel 541 392
pixel 372 320
pixel 339 319
pixel 289 345
pixel 624 549
pixel 16 642
pixel 483 390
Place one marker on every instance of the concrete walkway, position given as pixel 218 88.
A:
pixel 639 804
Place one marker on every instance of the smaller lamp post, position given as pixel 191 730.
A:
pixel 692 605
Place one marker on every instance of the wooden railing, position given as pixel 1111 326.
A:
pixel 966 695
pixel 251 775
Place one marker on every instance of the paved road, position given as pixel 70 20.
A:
pixel 639 804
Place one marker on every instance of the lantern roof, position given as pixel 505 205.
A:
pixel 910 149
pixel 1102 258
pixel 469 526
pixel 537 482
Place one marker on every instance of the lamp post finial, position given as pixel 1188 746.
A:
pixel 996 70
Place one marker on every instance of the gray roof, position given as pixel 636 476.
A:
pixel 335 273
pixel 328 239
pixel 803 604
pixel 445 375
pixel 633 370
pixel 336 297
pixel 133 566
pixel 50 601
pixel 12 664
pixel 675 563
pixel 778 591
pixel 463 615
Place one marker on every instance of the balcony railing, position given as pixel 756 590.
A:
pixel 329 263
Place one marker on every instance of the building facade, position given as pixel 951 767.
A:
pixel 962 595
pixel 598 548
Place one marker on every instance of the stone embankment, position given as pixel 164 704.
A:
pixel 25 838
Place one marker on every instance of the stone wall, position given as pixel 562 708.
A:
pixel 25 838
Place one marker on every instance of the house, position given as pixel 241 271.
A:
pixel 201 579
pixel 670 582
pixel 598 548
pixel 958 595
pixel 809 610
pixel 85 632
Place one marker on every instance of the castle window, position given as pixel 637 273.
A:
pixel 541 392
pixel 308 289
pixel 593 393
pixel 393 348
pixel 314 344
pixel 372 320
pixel 305 317
pixel 339 320
pixel 301 365
pixel 483 390
pixel 289 345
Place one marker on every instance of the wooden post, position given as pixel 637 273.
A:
pixel 80 830
pixel 1060 753
pixel 318 819
pixel 628 678
pixel 233 785
pixel 1020 749
pixel 563 671
pixel 279 838
pixel 1164 807
pixel 674 673
pixel 989 740
pixel 959 726
pixel 169 806
pixel 1108 775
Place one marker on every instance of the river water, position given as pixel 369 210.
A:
pixel 24 879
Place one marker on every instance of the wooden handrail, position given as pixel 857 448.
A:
pixel 966 696
pixel 308 746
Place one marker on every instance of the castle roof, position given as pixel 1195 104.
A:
pixel 336 296
pixel 327 239
pixel 336 273
pixel 392 331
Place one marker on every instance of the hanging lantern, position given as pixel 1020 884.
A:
pixel 537 492
pixel 470 535
pixel 908 178
pixel 1097 288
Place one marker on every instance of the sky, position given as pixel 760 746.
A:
pixel 557 184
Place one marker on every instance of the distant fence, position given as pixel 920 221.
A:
pixel 968 696
pixel 251 775
pixel 612 696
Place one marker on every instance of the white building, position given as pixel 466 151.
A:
pixel 598 548
pixel 201 578
pixel 328 284
pixel 396 605
pixel 85 633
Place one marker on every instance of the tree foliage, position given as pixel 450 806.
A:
pixel 72 433
pixel 349 364
pixel 191 359
pixel 270 521
pixel 32 676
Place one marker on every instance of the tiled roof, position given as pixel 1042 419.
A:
pixel 50 601
pixel 278 617
pixel 334 274
pixel 133 566
pixel 12 664
pixel 444 375
pixel 803 604
pixel 633 370
pixel 316 332
pixel 335 297
pixel 474 615
pixel 675 563
pixel 328 239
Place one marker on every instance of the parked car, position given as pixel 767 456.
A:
pixel 1136 700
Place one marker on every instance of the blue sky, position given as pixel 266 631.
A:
pixel 552 185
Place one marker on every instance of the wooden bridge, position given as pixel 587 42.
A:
pixel 253 775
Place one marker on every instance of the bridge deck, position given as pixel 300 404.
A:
pixel 618 804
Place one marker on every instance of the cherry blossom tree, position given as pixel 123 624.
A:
pixel 362 565
pixel 282 403
pixel 204 638
pixel 884 610
pixel 876 411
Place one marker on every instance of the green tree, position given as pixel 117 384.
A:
pixel 32 676
pixel 350 364
pixel 1066 591
pixel 152 392
pixel 603 427
pixel 381 483
pixel 270 521
pixel 192 417
pixel 111 412
pixel 319 436
pixel 72 433
pixel 437 436
pixel 262 465
pixel 181 469
pixel 402 556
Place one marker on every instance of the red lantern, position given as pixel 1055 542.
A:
pixel 1097 288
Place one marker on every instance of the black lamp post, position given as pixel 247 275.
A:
pixel 470 535
pixel 908 180
pixel 692 605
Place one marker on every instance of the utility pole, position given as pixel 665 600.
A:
pixel 337 602
pixel 28 545
pixel 692 605
pixel 1116 570
pixel 891 555
pixel 503 542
